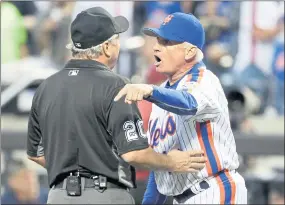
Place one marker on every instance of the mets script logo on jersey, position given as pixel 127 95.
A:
pixel 158 133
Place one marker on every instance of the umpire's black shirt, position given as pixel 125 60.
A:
pixel 75 123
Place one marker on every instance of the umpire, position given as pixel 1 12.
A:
pixel 87 142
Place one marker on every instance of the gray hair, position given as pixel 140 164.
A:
pixel 90 53
pixel 199 55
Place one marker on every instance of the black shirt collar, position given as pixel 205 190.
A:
pixel 76 63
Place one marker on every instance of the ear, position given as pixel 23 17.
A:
pixel 106 49
pixel 190 53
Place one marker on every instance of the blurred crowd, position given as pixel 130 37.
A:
pixel 244 41
pixel 244 48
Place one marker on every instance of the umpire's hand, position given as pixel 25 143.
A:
pixel 187 161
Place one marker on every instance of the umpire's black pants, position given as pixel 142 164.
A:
pixel 58 195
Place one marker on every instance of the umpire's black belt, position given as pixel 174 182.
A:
pixel 90 183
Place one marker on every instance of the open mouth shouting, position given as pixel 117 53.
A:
pixel 157 60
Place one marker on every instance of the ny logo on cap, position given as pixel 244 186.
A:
pixel 167 19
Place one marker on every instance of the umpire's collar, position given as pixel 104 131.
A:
pixel 76 63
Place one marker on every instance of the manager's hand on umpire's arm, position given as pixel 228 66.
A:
pixel 175 161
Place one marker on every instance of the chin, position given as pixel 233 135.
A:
pixel 161 69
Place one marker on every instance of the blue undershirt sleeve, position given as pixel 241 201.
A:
pixel 175 101
pixel 152 195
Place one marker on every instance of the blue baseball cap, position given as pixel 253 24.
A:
pixel 180 27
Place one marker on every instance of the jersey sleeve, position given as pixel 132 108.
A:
pixel 205 96
pixel 125 125
pixel 192 99
pixel 34 138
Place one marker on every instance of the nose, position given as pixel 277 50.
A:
pixel 156 47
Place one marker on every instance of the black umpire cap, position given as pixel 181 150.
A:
pixel 95 25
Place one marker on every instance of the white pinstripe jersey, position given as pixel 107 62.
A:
pixel 209 129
